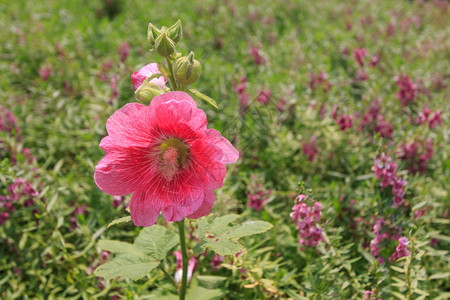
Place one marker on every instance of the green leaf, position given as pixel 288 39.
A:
pixel 398 295
pixel 395 268
pixel 369 257
pixel 440 276
pixel 419 205
pixel 121 220
pixel 443 296
pixel 137 260
pixel 198 292
pixel 225 247
pixel 133 267
pixel 441 237
pixel 211 282
pixel 155 241
pixel 204 97
pixel 222 224
pixel 220 236
pixel 119 248
pixel 249 228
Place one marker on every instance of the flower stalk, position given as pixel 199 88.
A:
pixel 185 259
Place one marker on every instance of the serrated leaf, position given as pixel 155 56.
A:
pixel 221 224
pixel 204 97
pixel 121 220
pixel 137 260
pixel 156 241
pixel 120 248
pixel 249 228
pixel 199 248
pixel 133 267
pixel 221 237
pixel 225 247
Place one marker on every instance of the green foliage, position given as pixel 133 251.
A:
pixel 203 97
pixel 137 260
pixel 220 236
pixel 49 251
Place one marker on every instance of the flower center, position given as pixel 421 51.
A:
pixel 173 157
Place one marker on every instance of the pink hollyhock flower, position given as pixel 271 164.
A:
pixel 163 154
pixel 145 72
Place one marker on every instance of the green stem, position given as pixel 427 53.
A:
pixel 185 260
pixel 408 271
pixel 167 274
pixel 172 81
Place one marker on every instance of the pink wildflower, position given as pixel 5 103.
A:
pixel 259 60
pixel 306 219
pixel 243 96
pixel 257 196
pixel 375 60
pixel 123 50
pixel 217 261
pixel 45 72
pixel 118 200
pixel 192 264
pixel 407 89
pixel 435 120
pixel 163 154
pixel 310 148
pixel 411 153
pixel 264 96
pixel 401 249
pixel 361 75
pixel 145 72
pixel 345 122
pixel 360 54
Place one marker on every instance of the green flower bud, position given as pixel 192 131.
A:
pixel 152 34
pixel 187 69
pixel 164 45
pixel 176 32
pixel 147 92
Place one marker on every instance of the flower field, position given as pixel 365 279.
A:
pixel 254 150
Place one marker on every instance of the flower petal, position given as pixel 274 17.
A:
pixel 230 154
pixel 206 206
pixel 122 170
pixel 185 206
pixel 144 207
pixel 131 126
pixel 177 96
pixel 145 72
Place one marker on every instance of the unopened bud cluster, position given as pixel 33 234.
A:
pixel 185 70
